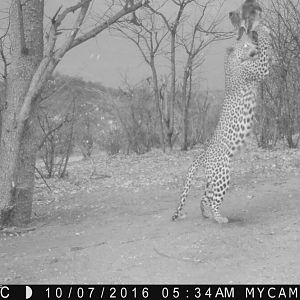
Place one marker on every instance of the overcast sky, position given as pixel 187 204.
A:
pixel 108 58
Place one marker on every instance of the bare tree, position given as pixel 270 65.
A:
pixel 172 25
pixel 281 90
pixel 194 40
pixel 154 30
pixel 33 60
pixel 148 35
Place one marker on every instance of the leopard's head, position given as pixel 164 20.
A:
pixel 242 50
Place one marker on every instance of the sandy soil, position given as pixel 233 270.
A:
pixel 126 236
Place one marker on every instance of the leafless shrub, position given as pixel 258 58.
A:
pixel 278 113
pixel 57 143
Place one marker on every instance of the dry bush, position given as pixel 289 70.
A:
pixel 278 112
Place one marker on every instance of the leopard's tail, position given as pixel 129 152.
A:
pixel 192 170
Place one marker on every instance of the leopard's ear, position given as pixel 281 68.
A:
pixel 229 50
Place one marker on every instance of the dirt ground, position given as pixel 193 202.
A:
pixel 123 235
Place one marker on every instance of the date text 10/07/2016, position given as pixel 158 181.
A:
pixel 150 292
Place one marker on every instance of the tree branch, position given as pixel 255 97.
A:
pixel 5 63
pixel 50 60
pixel 136 42
pixel 95 31
pixel 24 49
pixel 84 5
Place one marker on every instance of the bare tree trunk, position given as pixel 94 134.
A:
pixel 21 213
pixel 186 105
pixel 17 167
pixel 157 100
pixel 171 99
pixel 65 160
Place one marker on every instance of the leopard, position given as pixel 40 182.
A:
pixel 246 65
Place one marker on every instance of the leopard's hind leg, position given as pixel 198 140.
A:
pixel 218 196
pixel 194 167
pixel 205 204
pixel 217 189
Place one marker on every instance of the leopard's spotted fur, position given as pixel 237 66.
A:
pixel 246 65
